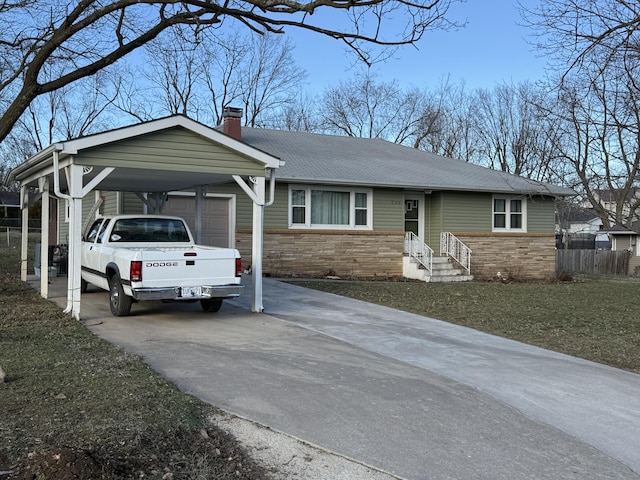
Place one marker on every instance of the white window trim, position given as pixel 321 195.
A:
pixel 507 199
pixel 352 208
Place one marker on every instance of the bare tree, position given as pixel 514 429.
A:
pixel 596 49
pixel 362 107
pixel 512 131
pixel 299 114
pixel 270 78
pixel 72 111
pixel 79 39
pixel 14 150
pixel 574 32
pixel 446 128
pixel 223 60
pixel 200 79
pixel 174 69
pixel 601 140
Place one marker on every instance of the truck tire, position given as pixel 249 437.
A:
pixel 119 303
pixel 212 305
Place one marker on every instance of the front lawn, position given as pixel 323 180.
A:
pixel 596 318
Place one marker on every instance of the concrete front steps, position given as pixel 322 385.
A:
pixel 443 268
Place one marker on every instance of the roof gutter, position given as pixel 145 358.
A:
pixel 553 191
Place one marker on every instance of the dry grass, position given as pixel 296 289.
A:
pixel 596 318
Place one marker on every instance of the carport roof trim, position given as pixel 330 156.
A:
pixel 72 147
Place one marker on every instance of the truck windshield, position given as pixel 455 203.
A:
pixel 149 230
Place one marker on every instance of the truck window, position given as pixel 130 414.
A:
pixel 92 233
pixel 103 230
pixel 149 230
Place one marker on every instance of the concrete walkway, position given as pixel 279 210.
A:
pixel 416 397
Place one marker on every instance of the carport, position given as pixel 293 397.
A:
pixel 151 159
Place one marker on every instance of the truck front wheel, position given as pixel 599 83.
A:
pixel 119 302
pixel 212 305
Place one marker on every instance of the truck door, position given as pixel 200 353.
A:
pixel 91 252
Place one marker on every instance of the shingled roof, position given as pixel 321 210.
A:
pixel 332 159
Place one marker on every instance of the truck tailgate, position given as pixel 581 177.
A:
pixel 177 266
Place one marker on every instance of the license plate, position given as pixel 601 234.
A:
pixel 191 292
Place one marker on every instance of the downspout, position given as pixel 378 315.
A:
pixel 272 186
pixel 56 175
pixel 59 194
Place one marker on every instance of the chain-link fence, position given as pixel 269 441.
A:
pixel 12 237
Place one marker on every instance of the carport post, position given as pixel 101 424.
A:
pixel 43 185
pixel 257 247
pixel 24 246
pixel 75 239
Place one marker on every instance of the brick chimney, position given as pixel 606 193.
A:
pixel 231 122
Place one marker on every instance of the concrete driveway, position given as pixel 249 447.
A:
pixel 409 395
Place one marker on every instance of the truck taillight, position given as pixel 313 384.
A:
pixel 135 273
pixel 238 267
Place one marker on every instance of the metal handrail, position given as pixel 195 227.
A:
pixel 452 246
pixel 418 250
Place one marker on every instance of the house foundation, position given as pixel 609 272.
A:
pixel 321 253
pixel 520 256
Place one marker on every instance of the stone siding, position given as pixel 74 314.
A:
pixel 318 253
pixel 516 255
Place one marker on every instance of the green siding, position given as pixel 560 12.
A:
pixel 277 215
pixel 110 206
pixel 388 208
pixel 63 225
pixel 541 215
pixel 433 219
pixel 172 149
pixel 87 204
pixel 471 212
pixel 130 204
pixel 244 205
pixel 466 212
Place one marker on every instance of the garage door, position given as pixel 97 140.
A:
pixel 215 217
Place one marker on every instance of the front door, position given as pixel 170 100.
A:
pixel 413 204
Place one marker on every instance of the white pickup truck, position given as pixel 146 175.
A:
pixel 154 257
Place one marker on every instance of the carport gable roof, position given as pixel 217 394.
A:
pixel 332 159
pixel 167 154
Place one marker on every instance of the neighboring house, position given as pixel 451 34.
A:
pixel 609 200
pixel 343 206
pixel 626 239
pixel 584 221
pixel 10 207
pixel 581 228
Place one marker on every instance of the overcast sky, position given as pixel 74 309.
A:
pixel 491 49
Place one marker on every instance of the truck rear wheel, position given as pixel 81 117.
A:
pixel 119 302
pixel 212 305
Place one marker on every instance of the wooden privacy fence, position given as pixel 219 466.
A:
pixel 599 262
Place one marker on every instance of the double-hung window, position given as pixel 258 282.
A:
pixel 329 207
pixel 509 214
